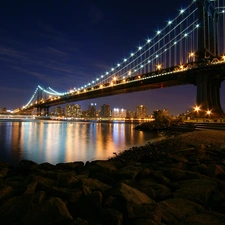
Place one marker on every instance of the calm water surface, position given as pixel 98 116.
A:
pixel 56 142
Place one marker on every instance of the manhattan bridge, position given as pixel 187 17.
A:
pixel 190 49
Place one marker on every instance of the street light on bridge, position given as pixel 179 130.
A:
pixel 208 113
pixel 159 66
pixel 191 55
pixel 197 108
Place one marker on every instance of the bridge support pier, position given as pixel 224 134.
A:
pixel 208 94
pixel 38 111
pixel 46 110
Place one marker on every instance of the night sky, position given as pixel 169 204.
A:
pixel 65 44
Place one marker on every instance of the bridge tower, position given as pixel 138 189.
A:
pixel 207 31
pixel 208 83
pixel 41 96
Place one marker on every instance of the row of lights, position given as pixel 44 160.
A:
pixel 158 32
pixel 158 67
pixel 132 54
pixel 197 109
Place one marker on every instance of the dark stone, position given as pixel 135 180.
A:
pixel 198 190
pixel 76 166
pixel 106 179
pixel 78 221
pixel 13 209
pixel 128 172
pixel 176 211
pixel 52 211
pixel 3 172
pixel 26 166
pixel 5 192
pixel 67 194
pixel 90 206
pixel 46 166
pixel 111 217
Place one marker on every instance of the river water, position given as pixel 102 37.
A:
pixel 60 142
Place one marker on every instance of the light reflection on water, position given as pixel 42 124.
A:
pixel 56 142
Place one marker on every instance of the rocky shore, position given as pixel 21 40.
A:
pixel 179 180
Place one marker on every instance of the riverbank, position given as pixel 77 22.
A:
pixel 179 180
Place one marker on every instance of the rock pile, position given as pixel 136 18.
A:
pixel 168 182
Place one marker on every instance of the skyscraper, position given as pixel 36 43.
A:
pixel 92 110
pixel 141 111
pixel 105 110
pixel 119 113
pixel 73 110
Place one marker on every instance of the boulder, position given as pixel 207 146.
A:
pixel 89 206
pixel 111 217
pixel 3 172
pixel 132 202
pixel 198 190
pixel 94 184
pixel 51 211
pixel 128 172
pixel 176 211
pixel 13 209
pixel 102 166
pixel 26 166
pixel 207 218
pixel 5 192
pixel 75 166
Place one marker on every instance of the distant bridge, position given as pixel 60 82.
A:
pixel 188 50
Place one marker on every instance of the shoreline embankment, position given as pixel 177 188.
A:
pixel 178 180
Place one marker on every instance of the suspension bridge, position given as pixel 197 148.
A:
pixel 190 49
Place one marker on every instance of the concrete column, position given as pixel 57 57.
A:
pixel 38 111
pixel 215 85
pixel 208 93
pixel 203 91
pixel 46 110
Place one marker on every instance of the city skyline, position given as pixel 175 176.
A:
pixel 105 111
pixel 65 44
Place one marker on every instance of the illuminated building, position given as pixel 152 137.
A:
pixel 131 114
pixel 141 111
pixel 59 111
pixel 92 110
pixel 73 111
pixel 105 110
pixel 118 113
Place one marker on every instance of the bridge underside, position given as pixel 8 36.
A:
pixel 207 78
